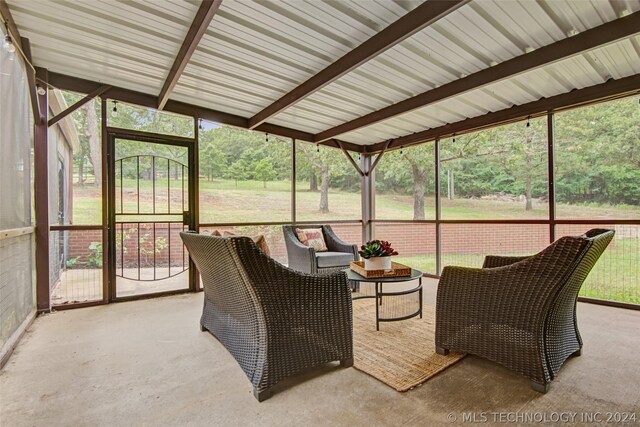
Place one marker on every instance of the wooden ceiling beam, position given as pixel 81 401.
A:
pixel 414 21
pixel 570 46
pixel 11 24
pixel 76 84
pixel 605 91
pixel 24 52
pixel 201 21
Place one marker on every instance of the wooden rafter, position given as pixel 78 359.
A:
pixel 589 95
pixel 201 21
pixel 24 47
pixel 76 84
pixel 74 107
pixel 31 82
pixel 587 40
pixel 13 29
pixel 416 20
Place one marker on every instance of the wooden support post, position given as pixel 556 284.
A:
pixel 293 181
pixel 106 250
pixel 41 189
pixel 194 196
pixel 436 153
pixel 367 197
pixel 551 176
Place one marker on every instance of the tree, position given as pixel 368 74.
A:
pixel 238 171
pixel 91 131
pixel 419 161
pixel 526 155
pixel 213 162
pixel 264 171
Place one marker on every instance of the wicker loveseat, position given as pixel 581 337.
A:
pixel 273 320
pixel 519 311
pixel 307 260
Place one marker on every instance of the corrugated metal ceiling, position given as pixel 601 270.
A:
pixel 254 52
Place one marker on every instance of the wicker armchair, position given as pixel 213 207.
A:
pixel 274 321
pixel 519 311
pixel 306 260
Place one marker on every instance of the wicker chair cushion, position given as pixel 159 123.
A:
pixel 313 238
pixel 333 259
pixel 260 241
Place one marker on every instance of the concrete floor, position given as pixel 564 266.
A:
pixel 146 363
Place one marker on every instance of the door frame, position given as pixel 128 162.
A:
pixel 133 135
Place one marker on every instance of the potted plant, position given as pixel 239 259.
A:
pixel 377 255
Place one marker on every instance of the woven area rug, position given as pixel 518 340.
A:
pixel 402 354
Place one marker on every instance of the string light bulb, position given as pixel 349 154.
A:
pixel 529 121
pixel 114 111
pixel 401 150
pixel 7 43
pixel 454 137
pixel 200 124
pixel 266 138
pixel 318 148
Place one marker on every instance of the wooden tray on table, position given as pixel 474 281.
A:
pixel 397 270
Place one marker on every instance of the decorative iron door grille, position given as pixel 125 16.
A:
pixel 151 199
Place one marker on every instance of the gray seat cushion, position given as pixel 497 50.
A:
pixel 333 259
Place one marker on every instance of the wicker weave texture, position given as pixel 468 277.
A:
pixel 303 258
pixel 519 311
pixel 273 320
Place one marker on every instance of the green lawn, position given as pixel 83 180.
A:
pixel 615 277
pixel 249 201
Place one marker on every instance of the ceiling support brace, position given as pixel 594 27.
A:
pixel 74 107
pixel 353 162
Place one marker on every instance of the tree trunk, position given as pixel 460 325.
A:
pixel 419 179
pixel 324 190
pixel 313 182
pixel 92 133
pixel 529 184
pixel 81 171
pixel 528 191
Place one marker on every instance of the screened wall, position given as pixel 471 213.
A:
pixel 17 276
pixel 247 186
pixel 489 193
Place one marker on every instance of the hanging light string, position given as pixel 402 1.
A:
pixel 200 124
pixel 114 112
pixel 528 121
pixel 16 46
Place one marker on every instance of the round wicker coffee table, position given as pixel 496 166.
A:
pixel 406 308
